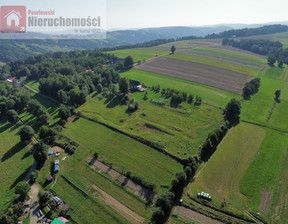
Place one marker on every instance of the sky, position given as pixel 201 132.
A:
pixel 123 14
pixel 133 14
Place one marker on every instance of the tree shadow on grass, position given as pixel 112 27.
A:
pixel 27 154
pixel 17 125
pixel 20 178
pixel 115 102
pixel 11 152
pixel 5 127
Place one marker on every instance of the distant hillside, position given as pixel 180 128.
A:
pixel 12 50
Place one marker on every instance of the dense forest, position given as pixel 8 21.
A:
pixel 273 49
pixel 250 31
pixel 66 76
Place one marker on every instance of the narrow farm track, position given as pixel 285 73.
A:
pixel 190 214
pixel 127 213
pixel 131 185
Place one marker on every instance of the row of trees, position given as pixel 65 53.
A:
pixel 231 117
pixel 273 49
pixel 269 29
pixel 167 200
pixel 251 88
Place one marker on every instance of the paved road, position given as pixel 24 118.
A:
pixel 34 205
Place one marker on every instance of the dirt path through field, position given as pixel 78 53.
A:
pixel 190 214
pixel 34 205
pixel 119 207
pixel 131 185
pixel 266 198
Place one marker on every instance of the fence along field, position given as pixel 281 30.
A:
pixel 195 72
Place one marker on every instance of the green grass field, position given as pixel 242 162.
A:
pixel 179 131
pixel 138 54
pixel 258 108
pixel 232 54
pixel 222 174
pixel 95 211
pixel 283 38
pixel 264 171
pixel 210 95
pixel 247 70
pixel 108 185
pixel 123 152
pixel 273 72
pixel 15 161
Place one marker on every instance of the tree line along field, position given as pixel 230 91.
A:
pixel 15 161
pixel 210 95
pixel 244 169
pixel 178 131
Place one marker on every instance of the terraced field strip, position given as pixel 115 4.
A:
pixel 119 207
pixel 229 164
pixel 131 185
pixel 190 214
pixel 200 73
pixel 280 205
pixel 224 58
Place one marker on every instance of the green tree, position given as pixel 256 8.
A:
pixel 99 88
pixel 26 133
pixel 22 188
pixel 128 62
pixel 44 119
pixel 277 94
pixel 33 176
pixel 12 116
pixel 232 112
pixel 62 96
pixel 64 113
pixel 271 59
pixel 124 85
pixel 173 49
pixel 40 152
pixel 158 216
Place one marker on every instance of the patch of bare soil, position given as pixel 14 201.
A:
pixel 131 185
pixel 266 198
pixel 190 214
pixel 155 129
pixel 195 72
pixel 127 213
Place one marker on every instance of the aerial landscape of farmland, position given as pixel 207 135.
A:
pixel 168 124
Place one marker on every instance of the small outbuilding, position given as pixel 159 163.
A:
pixel 65 208
pixel 50 153
pixel 49 178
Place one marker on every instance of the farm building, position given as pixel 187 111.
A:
pixel 49 178
pixel 56 168
pixel 57 221
pixel 57 200
pixel 50 153
pixel 65 208
pixel 63 219
pixel 135 85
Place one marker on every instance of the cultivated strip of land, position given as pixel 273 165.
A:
pixel 200 73
pixel 119 207
pixel 131 185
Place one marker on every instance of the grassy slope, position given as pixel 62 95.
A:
pixel 95 211
pixel 232 54
pixel 15 161
pixel 264 171
pixel 216 63
pixel 123 152
pixel 278 118
pixel 222 174
pixel 210 95
pixel 138 54
pixel 258 108
pixel 187 128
